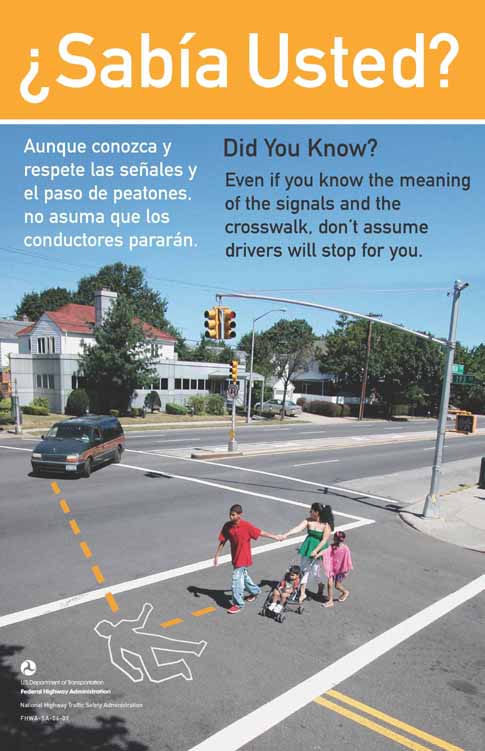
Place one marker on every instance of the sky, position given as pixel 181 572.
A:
pixel 409 291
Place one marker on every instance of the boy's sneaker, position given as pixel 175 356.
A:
pixel 251 598
pixel 278 608
pixel 234 609
pixel 272 606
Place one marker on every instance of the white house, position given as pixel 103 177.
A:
pixel 47 363
pixel 9 345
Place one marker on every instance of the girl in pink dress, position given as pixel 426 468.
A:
pixel 337 562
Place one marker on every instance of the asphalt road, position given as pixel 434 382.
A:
pixel 406 643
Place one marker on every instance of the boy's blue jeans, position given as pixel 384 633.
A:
pixel 241 581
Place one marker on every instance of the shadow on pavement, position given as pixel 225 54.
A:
pixel 111 733
pixel 220 596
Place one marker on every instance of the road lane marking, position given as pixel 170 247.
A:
pixel 230 488
pixel 269 474
pixel 97 574
pixel 259 721
pixel 15 448
pixel 74 526
pixel 64 506
pixel 371 725
pixel 55 488
pixel 86 549
pixel 392 721
pixel 112 602
pixel 173 622
pixel 98 594
pixel 203 611
pixel 324 461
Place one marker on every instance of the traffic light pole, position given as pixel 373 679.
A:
pixel 232 445
pixel 432 508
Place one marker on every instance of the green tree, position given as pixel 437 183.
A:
pixel 207 351
pixel 34 304
pixel 290 343
pixel 402 367
pixel 263 353
pixel 118 362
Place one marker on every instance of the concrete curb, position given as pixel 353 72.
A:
pixel 209 455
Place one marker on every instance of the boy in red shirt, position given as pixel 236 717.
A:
pixel 240 533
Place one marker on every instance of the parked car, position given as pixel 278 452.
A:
pixel 77 445
pixel 273 406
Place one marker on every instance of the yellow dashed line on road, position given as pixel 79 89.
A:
pixel 74 527
pixel 173 622
pixel 204 611
pixel 380 729
pixel 97 574
pixel 112 602
pixel 86 549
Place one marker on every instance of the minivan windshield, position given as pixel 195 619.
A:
pixel 70 430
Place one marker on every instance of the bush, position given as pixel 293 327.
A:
pixel 329 409
pixel 135 412
pixel 216 405
pixel 4 420
pixel 77 403
pixel 5 405
pixel 40 401
pixel 31 409
pixel 152 401
pixel 399 409
pixel 301 401
pixel 114 412
pixel 345 410
pixel 198 404
pixel 175 409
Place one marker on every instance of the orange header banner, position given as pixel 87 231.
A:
pixel 193 61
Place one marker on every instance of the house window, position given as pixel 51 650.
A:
pixel 154 350
pixel 50 381
pixel 207 385
pixel 200 384
pixel 186 383
pixel 163 384
pixel 46 345
pixel 45 382
pixel 178 384
pixel 155 385
pixel 193 383
pixel 39 381
pixel 30 344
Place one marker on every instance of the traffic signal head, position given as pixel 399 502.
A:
pixel 229 324
pixel 233 370
pixel 212 323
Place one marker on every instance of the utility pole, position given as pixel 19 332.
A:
pixel 16 409
pixel 432 509
pixel 366 367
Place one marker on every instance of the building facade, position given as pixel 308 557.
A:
pixel 47 362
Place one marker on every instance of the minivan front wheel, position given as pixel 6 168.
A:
pixel 88 467
pixel 117 455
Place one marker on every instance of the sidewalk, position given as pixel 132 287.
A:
pixel 462 519
pixel 462 503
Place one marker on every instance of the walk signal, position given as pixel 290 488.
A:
pixel 229 324
pixel 233 370
pixel 212 323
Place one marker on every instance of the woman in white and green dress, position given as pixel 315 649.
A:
pixel 319 526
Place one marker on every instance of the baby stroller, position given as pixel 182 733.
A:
pixel 291 583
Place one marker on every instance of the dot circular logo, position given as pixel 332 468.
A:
pixel 28 667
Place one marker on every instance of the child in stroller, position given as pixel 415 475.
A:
pixel 284 595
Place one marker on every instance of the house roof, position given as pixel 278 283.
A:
pixel 9 328
pixel 80 319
